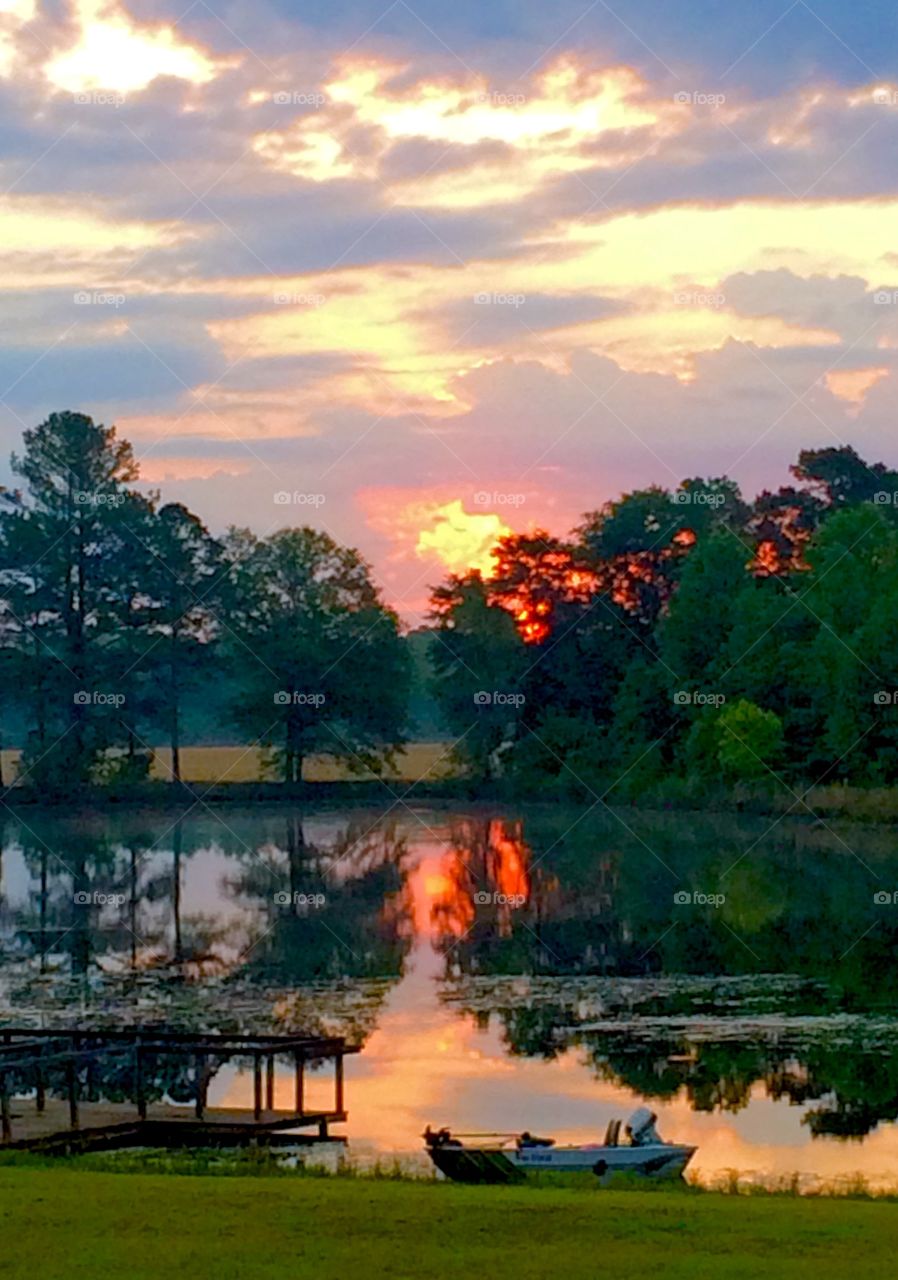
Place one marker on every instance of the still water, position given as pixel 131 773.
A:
pixel 546 969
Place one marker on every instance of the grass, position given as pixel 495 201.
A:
pixel 61 1222
pixel 244 764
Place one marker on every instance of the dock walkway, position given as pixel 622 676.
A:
pixel 85 1089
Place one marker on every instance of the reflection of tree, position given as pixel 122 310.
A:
pixel 328 911
pixel 364 928
pixel 848 1067
pixel 601 899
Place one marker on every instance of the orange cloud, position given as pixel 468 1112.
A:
pixel 852 385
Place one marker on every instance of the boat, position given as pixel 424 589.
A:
pixel 510 1157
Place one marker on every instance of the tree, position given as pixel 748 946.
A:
pixel 840 477
pixel 478 654
pixel 318 662
pixel 183 570
pixel 535 575
pixel 749 740
pixel 59 553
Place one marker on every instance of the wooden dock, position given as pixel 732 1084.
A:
pixel 80 1090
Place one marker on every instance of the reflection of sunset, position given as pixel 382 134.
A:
pixel 428 1062
pixel 486 860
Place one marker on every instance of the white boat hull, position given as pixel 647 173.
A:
pixel 514 1164
pixel 657 1160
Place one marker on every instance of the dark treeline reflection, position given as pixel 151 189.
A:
pixel 145 919
pixel 686 958
pixel 680 955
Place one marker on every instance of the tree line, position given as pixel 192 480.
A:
pixel 676 637
pixel 115 608
pixel 682 636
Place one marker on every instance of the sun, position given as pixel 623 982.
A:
pixel 462 540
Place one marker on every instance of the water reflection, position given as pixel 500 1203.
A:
pixel 546 968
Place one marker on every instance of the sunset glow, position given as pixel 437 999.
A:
pixel 368 266
pixel 462 540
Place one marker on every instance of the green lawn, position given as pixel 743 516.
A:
pixel 63 1223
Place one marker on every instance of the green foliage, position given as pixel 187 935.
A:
pixel 317 660
pixel 478 655
pixel 116 611
pixel 749 740
pixel 784 611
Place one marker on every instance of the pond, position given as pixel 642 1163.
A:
pixel 545 968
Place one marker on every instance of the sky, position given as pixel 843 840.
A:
pixel 421 273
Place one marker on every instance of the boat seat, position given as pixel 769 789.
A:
pixel 612 1133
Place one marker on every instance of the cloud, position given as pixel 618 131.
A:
pixel 116 53
pixel 409 275
pixel 498 143
pixel 853 385
pixel 14 14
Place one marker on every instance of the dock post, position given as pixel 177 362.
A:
pixel 140 1092
pixel 202 1084
pixel 257 1086
pixel 6 1129
pixel 300 1082
pixel 269 1082
pixel 338 1082
pixel 72 1076
pixel 40 1096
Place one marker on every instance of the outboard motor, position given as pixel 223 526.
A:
pixel 641 1128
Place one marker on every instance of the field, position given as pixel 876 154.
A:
pixel 98 1226
pixel 244 764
